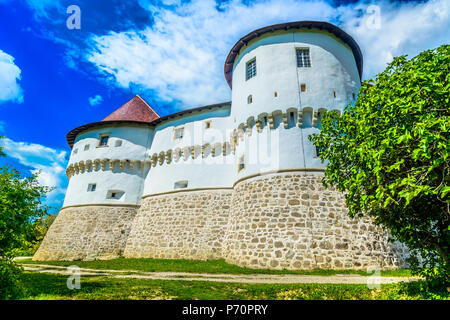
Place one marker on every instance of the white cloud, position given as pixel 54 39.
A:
pixel 180 57
pixel 10 89
pixel 406 28
pixel 93 101
pixel 51 162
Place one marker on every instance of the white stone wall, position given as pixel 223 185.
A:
pixel 120 169
pixel 271 132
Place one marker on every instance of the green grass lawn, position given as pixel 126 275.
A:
pixel 209 266
pixel 48 286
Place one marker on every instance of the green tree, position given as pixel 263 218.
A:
pixel 20 208
pixel 34 239
pixel 389 151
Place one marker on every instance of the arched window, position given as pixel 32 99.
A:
pixel 249 99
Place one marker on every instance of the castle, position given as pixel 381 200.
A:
pixel 237 180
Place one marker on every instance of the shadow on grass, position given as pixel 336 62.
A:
pixel 208 266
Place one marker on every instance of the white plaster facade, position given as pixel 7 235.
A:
pixel 270 133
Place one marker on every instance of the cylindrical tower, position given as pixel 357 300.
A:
pixel 283 78
pixel 106 171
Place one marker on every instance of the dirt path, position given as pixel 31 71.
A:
pixel 247 278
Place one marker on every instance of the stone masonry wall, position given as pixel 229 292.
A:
pixel 183 225
pixel 87 233
pixel 289 220
pixel 281 220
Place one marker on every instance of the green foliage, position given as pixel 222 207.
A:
pixel 390 153
pixel 36 235
pixel 10 279
pixel 20 208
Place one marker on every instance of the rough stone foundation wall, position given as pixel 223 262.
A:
pixel 87 233
pixel 182 225
pixel 291 221
pixel 280 220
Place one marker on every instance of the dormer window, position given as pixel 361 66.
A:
pixel 250 71
pixel 303 58
pixel 86 147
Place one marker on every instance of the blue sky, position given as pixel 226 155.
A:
pixel 171 52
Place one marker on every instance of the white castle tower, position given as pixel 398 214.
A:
pixel 237 180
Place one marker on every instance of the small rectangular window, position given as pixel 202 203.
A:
pixel 86 147
pixel 318 151
pixel 75 151
pixel 103 141
pixel 92 187
pixel 115 194
pixel 180 184
pixel 118 143
pixel 207 124
pixel 303 58
pixel 178 133
pixel 241 165
pixel 303 87
pixel 250 69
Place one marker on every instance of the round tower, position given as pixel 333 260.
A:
pixel 109 158
pixel 283 78
pixel 106 172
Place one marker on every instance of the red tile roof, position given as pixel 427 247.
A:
pixel 134 110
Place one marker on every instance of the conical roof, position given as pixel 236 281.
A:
pixel 135 109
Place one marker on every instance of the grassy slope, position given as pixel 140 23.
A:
pixel 48 286
pixel 210 266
